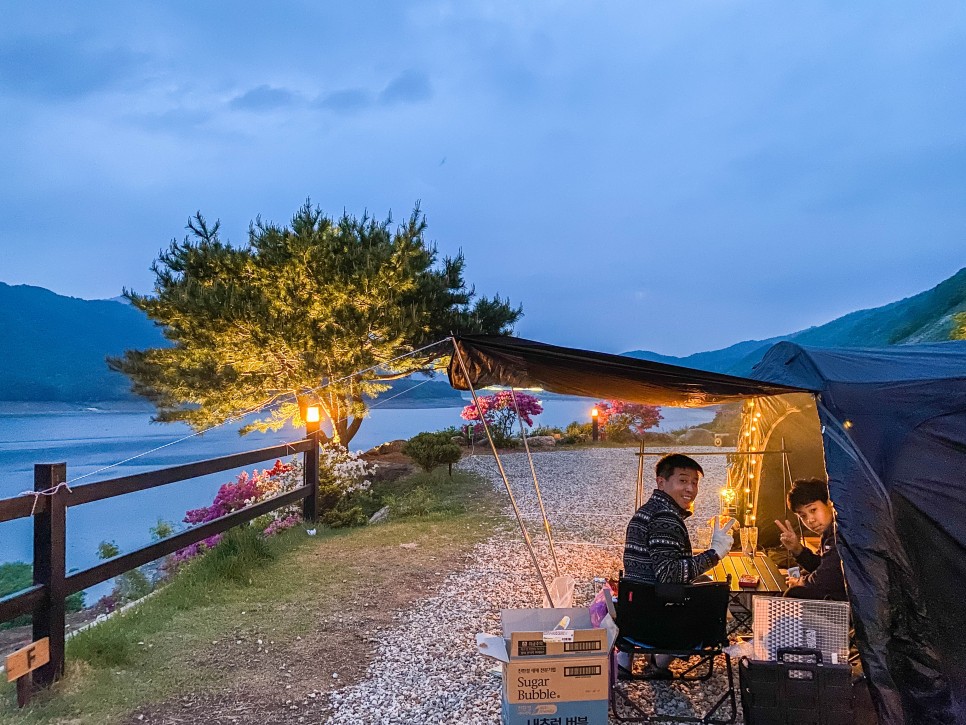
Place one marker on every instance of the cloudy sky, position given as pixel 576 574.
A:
pixel 670 175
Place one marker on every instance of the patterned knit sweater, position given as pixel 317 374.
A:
pixel 657 547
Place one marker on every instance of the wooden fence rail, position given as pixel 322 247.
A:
pixel 46 600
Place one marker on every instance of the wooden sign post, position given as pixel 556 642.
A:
pixel 24 661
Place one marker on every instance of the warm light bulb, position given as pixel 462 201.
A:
pixel 750 474
pixel 847 424
pixel 747 490
pixel 594 413
pixel 312 414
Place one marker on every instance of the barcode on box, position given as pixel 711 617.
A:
pixel 582 671
pixel 589 646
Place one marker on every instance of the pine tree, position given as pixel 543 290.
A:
pixel 299 307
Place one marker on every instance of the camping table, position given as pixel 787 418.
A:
pixel 770 583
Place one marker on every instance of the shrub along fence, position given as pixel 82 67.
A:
pixel 46 599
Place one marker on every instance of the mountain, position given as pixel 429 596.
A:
pixel 926 317
pixel 54 346
pixel 54 350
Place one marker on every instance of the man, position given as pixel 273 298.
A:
pixel 809 500
pixel 657 548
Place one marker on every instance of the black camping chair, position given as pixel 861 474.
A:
pixel 681 620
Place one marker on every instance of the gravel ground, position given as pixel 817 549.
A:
pixel 427 670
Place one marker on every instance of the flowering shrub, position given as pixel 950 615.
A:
pixel 340 473
pixel 500 414
pixel 278 525
pixel 246 490
pixel 626 421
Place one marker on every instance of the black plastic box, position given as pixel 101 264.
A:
pixel 798 689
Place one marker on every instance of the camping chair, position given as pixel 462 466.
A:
pixel 681 620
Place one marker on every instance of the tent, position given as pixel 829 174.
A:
pixel 888 429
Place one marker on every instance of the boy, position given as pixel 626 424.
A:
pixel 809 500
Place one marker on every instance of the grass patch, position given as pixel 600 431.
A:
pixel 198 633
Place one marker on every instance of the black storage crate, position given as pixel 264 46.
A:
pixel 797 689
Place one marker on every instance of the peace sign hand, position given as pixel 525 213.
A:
pixel 788 537
pixel 721 537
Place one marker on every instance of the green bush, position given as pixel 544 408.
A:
pixel 619 431
pixel 17 575
pixel 576 433
pixel 418 502
pixel 343 518
pixel 129 586
pixel 430 450
pixel 546 430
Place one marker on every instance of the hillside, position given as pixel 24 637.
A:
pixel 925 317
pixel 54 346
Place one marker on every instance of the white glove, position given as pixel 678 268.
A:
pixel 721 537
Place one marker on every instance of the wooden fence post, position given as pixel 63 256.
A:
pixel 310 469
pixel 50 535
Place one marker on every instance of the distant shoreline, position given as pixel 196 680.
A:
pixel 60 407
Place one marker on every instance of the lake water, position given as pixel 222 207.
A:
pixel 89 440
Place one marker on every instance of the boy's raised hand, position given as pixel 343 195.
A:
pixel 788 537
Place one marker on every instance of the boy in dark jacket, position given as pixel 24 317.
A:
pixel 823 579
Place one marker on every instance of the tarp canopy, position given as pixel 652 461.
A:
pixel 893 436
pixel 515 362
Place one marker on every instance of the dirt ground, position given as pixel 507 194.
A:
pixel 285 681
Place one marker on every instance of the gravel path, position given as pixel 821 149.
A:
pixel 426 669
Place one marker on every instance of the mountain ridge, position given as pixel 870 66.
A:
pixel 929 316
pixel 55 346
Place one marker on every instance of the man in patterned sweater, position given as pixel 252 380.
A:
pixel 657 548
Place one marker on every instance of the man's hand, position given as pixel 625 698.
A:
pixel 789 538
pixel 721 537
pixel 793 581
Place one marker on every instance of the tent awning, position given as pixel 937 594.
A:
pixel 516 362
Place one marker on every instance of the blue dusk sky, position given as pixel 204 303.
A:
pixel 676 176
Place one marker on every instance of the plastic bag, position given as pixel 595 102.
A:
pixel 598 608
pixel 562 592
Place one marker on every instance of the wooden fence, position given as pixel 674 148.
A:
pixel 46 599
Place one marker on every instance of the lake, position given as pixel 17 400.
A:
pixel 126 441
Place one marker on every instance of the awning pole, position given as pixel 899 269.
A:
pixel 536 484
pixel 639 493
pixel 506 481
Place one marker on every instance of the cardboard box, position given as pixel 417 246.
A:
pixel 552 675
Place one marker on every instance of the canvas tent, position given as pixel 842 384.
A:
pixel 890 425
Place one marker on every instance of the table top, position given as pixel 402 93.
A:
pixel 770 580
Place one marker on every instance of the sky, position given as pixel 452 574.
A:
pixel 673 176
